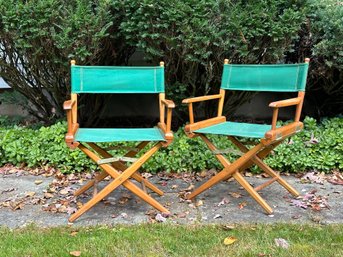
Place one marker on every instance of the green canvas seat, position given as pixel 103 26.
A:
pixel 236 129
pixel 123 168
pixel 99 135
pixel 250 77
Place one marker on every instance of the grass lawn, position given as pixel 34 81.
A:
pixel 173 240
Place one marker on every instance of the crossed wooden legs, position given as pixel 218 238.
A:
pixel 119 178
pixel 252 156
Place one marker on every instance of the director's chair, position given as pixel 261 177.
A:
pixel 274 78
pixel 118 80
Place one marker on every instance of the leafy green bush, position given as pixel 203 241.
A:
pixel 38 38
pixel 321 39
pixel 193 37
pixel 317 147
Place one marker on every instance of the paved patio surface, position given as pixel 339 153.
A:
pixel 24 200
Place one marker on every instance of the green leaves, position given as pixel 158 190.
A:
pixel 317 147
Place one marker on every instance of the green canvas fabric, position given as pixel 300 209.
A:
pixel 236 129
pixel 265 77
pixel 118 134
pixel 117 79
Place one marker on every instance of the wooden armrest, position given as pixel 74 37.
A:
pixel 282 132
pixel 168 103
pixel 287 102
pixel 189 128
pixel 68 105
pixel 200 98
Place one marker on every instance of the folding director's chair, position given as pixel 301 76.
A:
pixel 103 79
pixel 275 78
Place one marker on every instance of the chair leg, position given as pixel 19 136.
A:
pixel 119 179
pixel 120 166
pixel 91 183
pixel 239 178
pixel 229 168
pixel 272 173
pixel 258 161
pixel 209 183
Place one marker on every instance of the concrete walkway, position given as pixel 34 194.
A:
pixel 26 199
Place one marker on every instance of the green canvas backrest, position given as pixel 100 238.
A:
pixel 265 77
pixel 117 79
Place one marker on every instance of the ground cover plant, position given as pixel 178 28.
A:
pixel 317 147
pixel 174 240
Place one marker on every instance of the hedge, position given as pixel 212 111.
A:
pixel 317 147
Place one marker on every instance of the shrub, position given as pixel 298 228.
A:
pixel 39 37
pixel 318 147
pixel 194 37
pixel 321 39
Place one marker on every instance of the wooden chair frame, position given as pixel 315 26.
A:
pixel 116 168
pixel 249 157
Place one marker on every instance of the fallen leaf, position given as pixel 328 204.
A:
pixel 223 202
pixel 174 186
pixel 297 216
pixel 228 227
pixel 124 215
pixel 48 195
pixel 280 242
pixel 203 173
pixel 30 194
pixel 248 174
pixel 217 216
pixel 160 218
pixel 64 192
pixel 191 187
pixel 242 205
pixel 74 233
pixel 182 215
pixel 8 190
pixel 230 240
pixel 235 195
pixel 199 203
pixel 37 182
pixel 75 253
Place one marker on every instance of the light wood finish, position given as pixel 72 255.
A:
pixel 285 103
pixel 267 183
pixel 168 103
pixel 204 123
pixel 258 161
pixel 122 167
pixel 74 109
pixel 165 125
pixel 191 113
pixel 162 110
pixel 274 119
pixel 120 173
pixel 229 169
pixel 119 179
pixel 221 102
pixel 282 132
pixel 104 174
pixel 200 98
pixel 239 178
pixel 299 106
pixel 250 157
